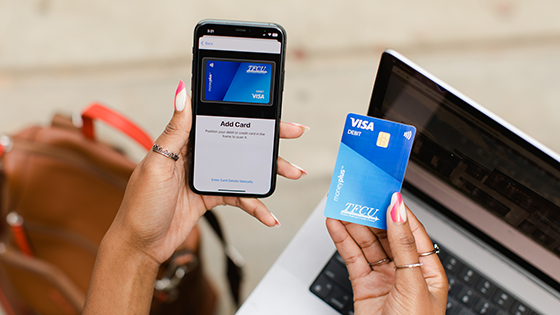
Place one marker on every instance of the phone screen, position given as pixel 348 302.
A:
pixel 237 91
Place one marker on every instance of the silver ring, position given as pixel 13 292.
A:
pixel 409 266
pixel 435 251
pixel 159 149
pixel 386 259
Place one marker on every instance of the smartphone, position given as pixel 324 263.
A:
pixel 237 84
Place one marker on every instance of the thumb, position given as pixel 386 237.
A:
pixel 177 132
pixel 403 244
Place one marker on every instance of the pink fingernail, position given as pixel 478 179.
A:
pixel 180 97
pixel 299 168
pixel 277 222
pixel 304 127
pixel 398 211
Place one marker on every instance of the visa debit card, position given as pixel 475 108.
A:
pixel 370 167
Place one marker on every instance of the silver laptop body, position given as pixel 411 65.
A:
pixel 483 189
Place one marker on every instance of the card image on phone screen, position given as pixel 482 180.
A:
pixel 238 81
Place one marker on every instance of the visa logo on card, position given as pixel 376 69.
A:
pixel 370 167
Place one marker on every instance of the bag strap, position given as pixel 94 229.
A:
pixel 71 297
pixel 7 307
pixel 15 221
pixel 234 260
pixel 98 111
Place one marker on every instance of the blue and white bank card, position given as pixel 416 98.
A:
pixel 370 167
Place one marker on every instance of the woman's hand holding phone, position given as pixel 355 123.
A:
pixel 158 212
pixel 158 190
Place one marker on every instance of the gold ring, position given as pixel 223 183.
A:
pixel 386 259
pixel 159 149
pixel 435 251
pixel 409 266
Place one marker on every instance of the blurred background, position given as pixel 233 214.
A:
pixel 60 55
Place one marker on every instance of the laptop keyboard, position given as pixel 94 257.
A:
pixel 333 286
pixel 470 292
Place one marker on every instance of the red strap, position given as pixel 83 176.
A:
pixel 15 221
pixel 117 121
pixel 6 304
pixel 21 240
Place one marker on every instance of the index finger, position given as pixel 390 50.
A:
pixel 353 257
pixel 289 130
pixel 252 206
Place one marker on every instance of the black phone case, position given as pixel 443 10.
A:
pixel 196 68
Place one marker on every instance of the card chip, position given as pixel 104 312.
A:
pixel 383 139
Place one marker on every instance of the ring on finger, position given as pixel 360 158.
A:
pixel 379 262
pixel 165 152
pixel 409 266
pixel 435 251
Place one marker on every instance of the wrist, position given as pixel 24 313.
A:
pixel 123 278
pixel 121 249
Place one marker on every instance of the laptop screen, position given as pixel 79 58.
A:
pixel 503 171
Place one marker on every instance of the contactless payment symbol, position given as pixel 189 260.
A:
pixel 408 135
pixel 368 170
pixel 383 139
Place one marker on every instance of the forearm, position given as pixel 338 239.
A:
pixel 122 281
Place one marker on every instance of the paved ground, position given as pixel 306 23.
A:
pixel 57 55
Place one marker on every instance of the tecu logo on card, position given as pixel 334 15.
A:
pixel 257 69
pixel 359 211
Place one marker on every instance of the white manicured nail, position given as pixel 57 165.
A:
pixel 180 97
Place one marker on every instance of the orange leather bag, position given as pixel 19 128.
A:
pixel 59 192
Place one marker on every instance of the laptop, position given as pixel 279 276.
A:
pixel 488 195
